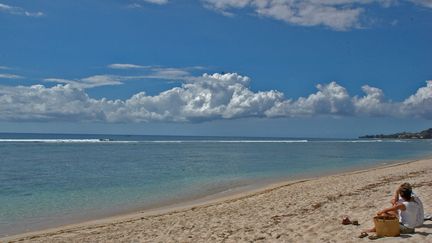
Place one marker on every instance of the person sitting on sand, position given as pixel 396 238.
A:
pixel 407 208
pixel 397 198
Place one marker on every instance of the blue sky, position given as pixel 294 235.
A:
pixel 335 68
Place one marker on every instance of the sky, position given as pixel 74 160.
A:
pixel 284 68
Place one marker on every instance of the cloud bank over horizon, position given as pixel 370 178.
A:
pixel 198 99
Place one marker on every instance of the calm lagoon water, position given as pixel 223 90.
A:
pixel 47 180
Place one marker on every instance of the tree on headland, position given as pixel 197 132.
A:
pixel 425 134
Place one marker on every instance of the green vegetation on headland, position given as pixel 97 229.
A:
pixel 426 134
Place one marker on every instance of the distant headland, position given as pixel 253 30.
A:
pixel 426 134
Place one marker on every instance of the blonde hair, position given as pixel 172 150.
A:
pixel 406 185
pixel 405 193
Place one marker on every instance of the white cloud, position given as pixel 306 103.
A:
pixel 157 72
pixel 420 103
pixel 424 3
pixel 214 96
pixel 336 14
pixel 160 2
pixel 89 82
pixel 170 73
pixel 18 11
pixel 61 102
pixel 151 72
pixel 207 97
pixel 138 5
pixel 10 76
pixel 127 66
pixel 371 103
pixel 331 99
pixel 134 5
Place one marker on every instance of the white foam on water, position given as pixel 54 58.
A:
pixel 95 140
pixel 228 141
pixel 144 141
pixel 366 141
pixel 62 141
pixel 262 141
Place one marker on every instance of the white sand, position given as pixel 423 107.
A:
pixel 302 211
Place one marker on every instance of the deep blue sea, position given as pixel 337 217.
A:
pixel 52 179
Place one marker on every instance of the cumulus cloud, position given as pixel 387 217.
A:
pixel 336 14
pixel 37 102
pixel 214 96
pixel 331 99
pixel 420 103
pixel 372 103
pixel 18 11
pixel 207 97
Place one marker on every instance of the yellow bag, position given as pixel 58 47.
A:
pixel 387 226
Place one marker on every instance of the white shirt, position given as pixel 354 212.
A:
pixel 412 216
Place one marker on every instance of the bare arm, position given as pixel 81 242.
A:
pixel 395 198
pixel 394 209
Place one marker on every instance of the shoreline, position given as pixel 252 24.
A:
pixel 220 198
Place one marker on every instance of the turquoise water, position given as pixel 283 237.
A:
pixel 47 180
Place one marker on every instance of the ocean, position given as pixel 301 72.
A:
pixel 48 180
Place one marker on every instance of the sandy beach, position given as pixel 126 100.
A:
pixel 307 210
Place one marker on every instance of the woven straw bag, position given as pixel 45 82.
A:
pixel 387 226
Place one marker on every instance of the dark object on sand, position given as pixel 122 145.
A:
pixel 346 221
pixel 374 237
